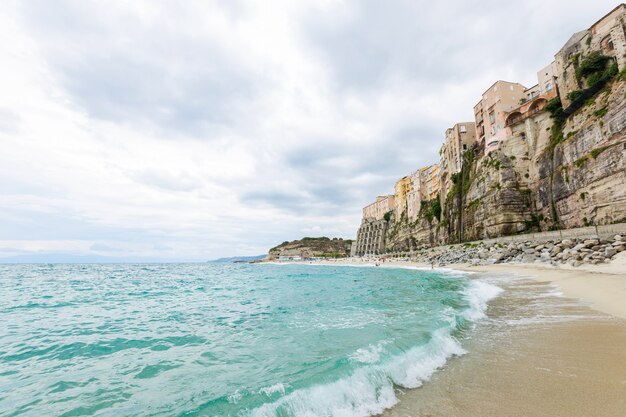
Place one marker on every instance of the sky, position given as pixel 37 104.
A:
pixel 185 131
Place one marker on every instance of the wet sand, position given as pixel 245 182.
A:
pixel 537 354
pixel 553 345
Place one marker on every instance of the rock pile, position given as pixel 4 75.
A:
pixel 572 252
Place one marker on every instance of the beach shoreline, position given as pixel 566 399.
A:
pixel 602 287
pixel 551 345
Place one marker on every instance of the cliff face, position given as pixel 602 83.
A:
pixel 589 172
pixel 311 247
pixel 545 176
pixel 495 203
pixel 404 234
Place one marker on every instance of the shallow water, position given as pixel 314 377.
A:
pixel 224 339
pixel 537 353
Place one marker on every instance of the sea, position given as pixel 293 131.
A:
pixel 226 339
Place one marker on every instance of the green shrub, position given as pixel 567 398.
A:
pixel 593 63
pixel 600 112
pixel 580 162
pixel 596 152
pixel 573 95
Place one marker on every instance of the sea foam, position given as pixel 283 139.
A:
pixel 370 390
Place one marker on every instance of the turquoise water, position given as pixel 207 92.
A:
pixel 224 339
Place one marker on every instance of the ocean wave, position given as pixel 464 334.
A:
pixel 478 294
pixel 370 354
pixel 370 389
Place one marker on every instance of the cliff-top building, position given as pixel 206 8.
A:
pixel 607 36
pixel 370 238
pixel 379 208
pixel 524 120
pixel 430 182
pixel 458 139
pixel 414 197
pixel 401 189
pixel 490 112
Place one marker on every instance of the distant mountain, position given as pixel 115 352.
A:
pixel 234 259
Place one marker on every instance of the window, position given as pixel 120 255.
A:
pixel 511 87
pixel 549 86
pixel 464 146
pixel 492 118
pixel 607 44
pixel 462 129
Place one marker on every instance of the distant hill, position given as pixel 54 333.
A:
pixel 308 247
pixel 234 259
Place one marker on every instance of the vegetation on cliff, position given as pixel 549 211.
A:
pixel 312 247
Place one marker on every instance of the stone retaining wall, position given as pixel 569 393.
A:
pixel 590 232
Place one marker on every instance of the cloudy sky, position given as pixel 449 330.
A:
pixel 172 130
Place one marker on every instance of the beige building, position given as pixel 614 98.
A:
pixel 414 197
pixel 522 120
pixel 490 112
pixel 379 208
pixel 458 139
pixel 606 36
pixel 546 83
pixel 429 177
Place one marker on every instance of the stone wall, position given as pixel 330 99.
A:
pixel 370 237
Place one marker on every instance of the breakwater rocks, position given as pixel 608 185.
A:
pixel 574 252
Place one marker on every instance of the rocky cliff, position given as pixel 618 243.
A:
pixel 561 168
pixel 312 247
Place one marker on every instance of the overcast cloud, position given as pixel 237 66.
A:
pixel 190 130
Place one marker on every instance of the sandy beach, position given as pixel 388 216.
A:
pixel 553 345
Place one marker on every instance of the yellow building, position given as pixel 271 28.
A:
pixel 401 189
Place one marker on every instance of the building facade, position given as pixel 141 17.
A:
pixel 429 182
pixel 607 36
pixel 401 190
pixel 379 208
pixel 370 238
pixel 414 197
pixel 490 112
pixel 458 139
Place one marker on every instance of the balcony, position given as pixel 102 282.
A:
pixel 529 108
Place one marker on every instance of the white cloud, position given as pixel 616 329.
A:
pixel 201 129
